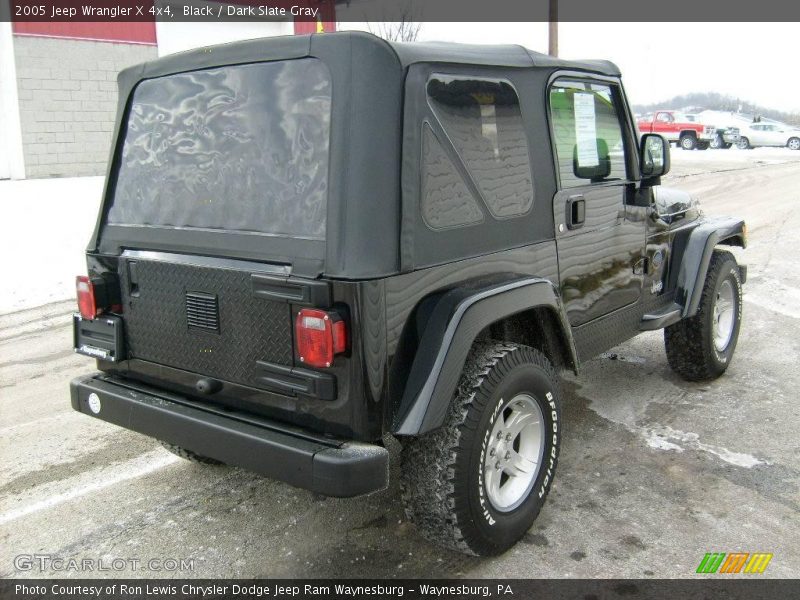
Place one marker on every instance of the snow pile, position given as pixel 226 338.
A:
pixel 45 225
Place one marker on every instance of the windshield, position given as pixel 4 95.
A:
pixel 242 148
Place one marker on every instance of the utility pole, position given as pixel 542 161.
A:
pixel 553 28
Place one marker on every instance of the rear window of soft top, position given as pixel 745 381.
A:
pixel 241 148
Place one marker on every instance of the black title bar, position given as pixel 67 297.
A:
pixel 400 10
pixel 721 587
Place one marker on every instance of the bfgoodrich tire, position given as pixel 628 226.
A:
pixel 477 484
pixel 189 455
pixel 701 347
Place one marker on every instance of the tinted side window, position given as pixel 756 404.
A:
pixel 447 202
pixel 482 120
pixel 587 134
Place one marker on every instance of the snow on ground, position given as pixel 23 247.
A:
pixel 692 162
pixel 45 225
pixel 734 155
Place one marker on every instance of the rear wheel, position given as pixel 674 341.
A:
pixel 703 145
pixel 477 483
pixel 701 347
pixel 688 141
pixel 189 455
pixel 794 143
pixel 743 143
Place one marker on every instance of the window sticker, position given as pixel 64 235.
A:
pixel 586 130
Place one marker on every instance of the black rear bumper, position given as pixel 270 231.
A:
pixel 327 466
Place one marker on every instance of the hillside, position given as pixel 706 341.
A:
pixel 698 101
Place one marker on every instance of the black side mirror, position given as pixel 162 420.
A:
pixel 653 158
pixel 596 172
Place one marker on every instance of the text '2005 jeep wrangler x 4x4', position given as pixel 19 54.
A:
pixel 309 244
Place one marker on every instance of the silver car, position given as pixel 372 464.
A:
pixel 769 134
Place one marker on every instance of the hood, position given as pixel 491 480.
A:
pixel 673 204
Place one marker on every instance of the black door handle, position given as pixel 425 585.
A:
pixel 576 211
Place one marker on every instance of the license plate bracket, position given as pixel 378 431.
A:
pixel 101 338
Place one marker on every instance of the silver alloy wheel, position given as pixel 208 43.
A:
pixel 723 316
pixel 794 144
pixel 514 453
pixel 687 143
pixel 716 143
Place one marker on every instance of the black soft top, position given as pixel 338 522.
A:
pixel 508 55
pixel 406 53
pixel 364 213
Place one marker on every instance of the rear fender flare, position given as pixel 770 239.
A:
pixel 456 320
pixel 697 256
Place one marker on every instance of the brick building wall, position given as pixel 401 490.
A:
pixel 67 101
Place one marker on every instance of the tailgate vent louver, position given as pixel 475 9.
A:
pixel 202 311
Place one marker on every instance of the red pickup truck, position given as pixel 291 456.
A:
pixel 677 128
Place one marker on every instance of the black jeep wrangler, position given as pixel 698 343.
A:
pixel 310 245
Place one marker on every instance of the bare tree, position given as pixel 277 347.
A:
pixel 396 31
pixel 400 25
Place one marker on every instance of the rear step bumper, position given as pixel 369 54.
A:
pixel 327 466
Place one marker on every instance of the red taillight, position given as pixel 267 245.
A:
pixel 86 302
pixel 319 336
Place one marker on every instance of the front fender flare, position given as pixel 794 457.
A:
pixel 697 256
pixel 458 317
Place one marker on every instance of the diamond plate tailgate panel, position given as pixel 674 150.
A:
pixel 157 324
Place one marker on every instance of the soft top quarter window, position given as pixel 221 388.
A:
pixel 481 125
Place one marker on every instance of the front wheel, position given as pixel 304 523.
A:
pixel 701 347
pixel 743 143
pixel 717 142
pixel 794 143
pixel 476 484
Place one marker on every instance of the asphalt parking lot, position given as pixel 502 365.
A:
pixel 654 472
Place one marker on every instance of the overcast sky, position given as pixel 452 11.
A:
pixel 752 61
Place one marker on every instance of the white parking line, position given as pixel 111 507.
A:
pixel 138 467
pixel 40 422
